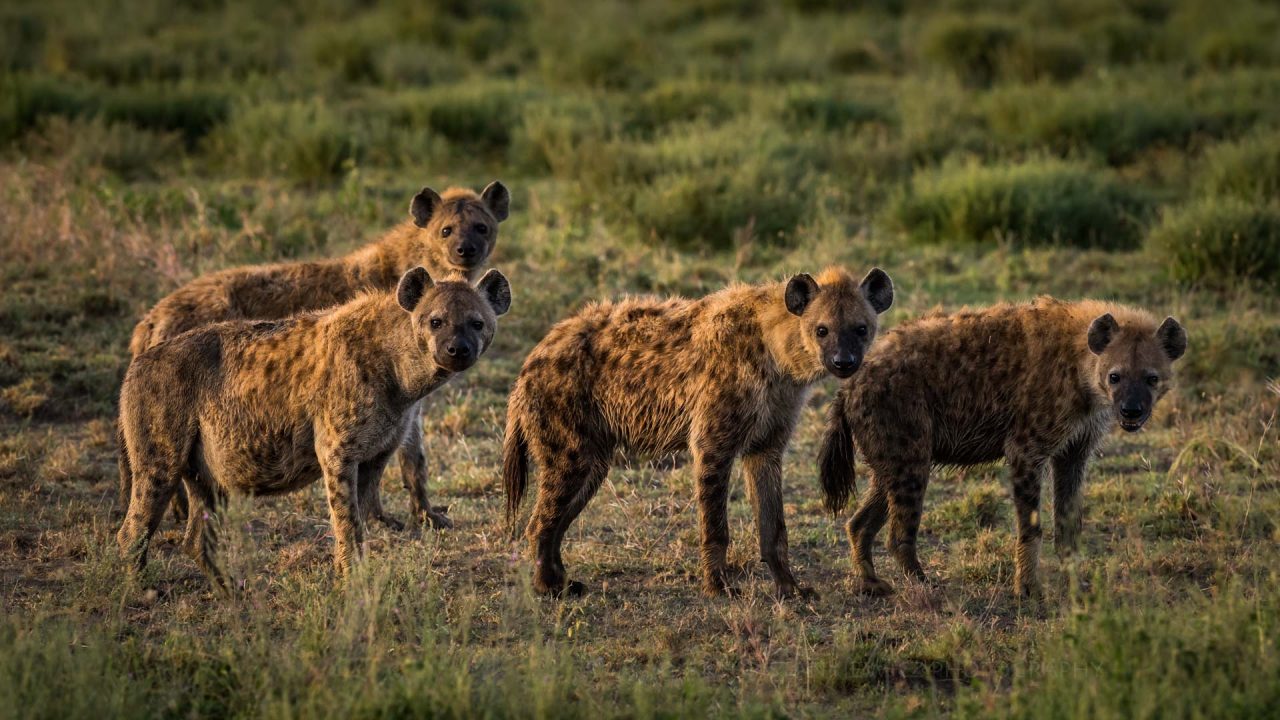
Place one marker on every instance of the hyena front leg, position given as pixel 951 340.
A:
pixel 370 490
pixel 1024 475
pixel 1068 478
pixel 713 448
pixel 341 483
pixel 763 471
pixel 413 472
pixel 201 541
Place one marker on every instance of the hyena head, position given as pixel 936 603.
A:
pixel 1135 365
pixel 452 321
pixel 461 228
pixel 838 315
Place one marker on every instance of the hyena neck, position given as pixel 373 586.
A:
pixel 380 264
pixel 782 339
pixel 377 335
pixel 402 249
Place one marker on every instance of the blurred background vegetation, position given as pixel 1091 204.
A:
pixel 1099 123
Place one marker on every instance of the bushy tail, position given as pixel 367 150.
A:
pixel 835 459
pixel 515 466
pixel 126 468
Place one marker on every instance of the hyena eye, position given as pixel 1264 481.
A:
pixel 446 231
pixel 861 330
pixel 482 228
pixel 1113 378
pixel 1153 380
pixel 477 325
pixel 436 323
pixel 821 331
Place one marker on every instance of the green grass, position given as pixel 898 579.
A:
pixel 977 150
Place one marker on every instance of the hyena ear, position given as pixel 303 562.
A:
pixel 801 290
pixel 1172 338
pixel 423 206
pixel 413 285
pixel 877 288
pixel 1100 332
pixel 496 291
pixel 497 199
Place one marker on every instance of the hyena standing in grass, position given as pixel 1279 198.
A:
pixel 1038 384
pixel 723 376
pixel 268 407
pixel 451 235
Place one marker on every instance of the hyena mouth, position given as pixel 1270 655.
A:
pixel 1132 425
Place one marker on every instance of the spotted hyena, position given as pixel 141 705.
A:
pixel 268 407
pixel 723 376
pixel 1039 385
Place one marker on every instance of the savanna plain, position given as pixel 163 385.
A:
pixel 977 151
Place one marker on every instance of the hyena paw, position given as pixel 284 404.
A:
pixel 874 587
pixel 391 522
pixel 436 518
pixel 793 590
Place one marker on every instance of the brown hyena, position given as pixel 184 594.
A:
pixel 1038 384
pixel 723 376
pixel 452 235
pixel 267 407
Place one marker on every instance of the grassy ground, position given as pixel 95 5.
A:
pixel 977 151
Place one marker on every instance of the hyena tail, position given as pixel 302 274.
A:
pixel 515 465
pixel 835 459
pixel 126 467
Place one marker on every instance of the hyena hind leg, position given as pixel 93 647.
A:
pixel 152 491
pixel 564 490
pixel 866 523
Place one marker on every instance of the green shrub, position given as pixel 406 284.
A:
pixel 701 187
pixel 1248 168
pixel 676 102
pixel 829 111
pixel 1120 38
pixel 1123 119
pixel 192 113
pixel 120 148
pixel 1220 241
pixel 974 48
pixel 304 141
pixel 1045 56
pixel 477 117
pixel 1035 202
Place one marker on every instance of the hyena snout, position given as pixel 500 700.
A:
pixel 1134 409
pixel 456 353
pixel 844 363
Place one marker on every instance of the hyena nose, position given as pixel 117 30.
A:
pixel 1131 411
pixel 458 351
pixel 844 361
pixel 466 252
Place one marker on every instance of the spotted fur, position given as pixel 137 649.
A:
pixel 723 376
pixel 1038 385
pixel 262 407
pixel 452 235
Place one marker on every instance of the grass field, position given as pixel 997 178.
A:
pixel 978 151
